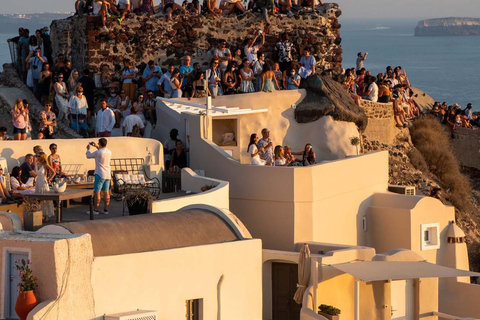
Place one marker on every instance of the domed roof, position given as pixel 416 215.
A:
pixel 152 232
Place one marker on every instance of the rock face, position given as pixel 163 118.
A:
pixel 142 38
pixel 448 27
pixel 327 97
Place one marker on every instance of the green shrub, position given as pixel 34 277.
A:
pixel 417 160
pixel 433 142
pixel 329 310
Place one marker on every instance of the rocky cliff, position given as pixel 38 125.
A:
pixel 448 27
pixel 142 38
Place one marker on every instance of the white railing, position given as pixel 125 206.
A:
pixel 201 106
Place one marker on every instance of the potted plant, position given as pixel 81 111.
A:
pixel 139 201
pixel 355 141
pixel 329 312
pixel 32 217
pixel 26 300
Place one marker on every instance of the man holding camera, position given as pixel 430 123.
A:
pixel 102 174
pixel 35 61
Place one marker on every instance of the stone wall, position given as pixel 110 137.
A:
pixel 142 38
pixel 381 124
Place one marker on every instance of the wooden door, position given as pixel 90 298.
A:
pixel 284 285
pixel 13 279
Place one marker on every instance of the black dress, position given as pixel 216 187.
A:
pixel 45 85
pixel 179 160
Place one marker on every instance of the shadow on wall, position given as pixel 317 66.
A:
pixel 7 153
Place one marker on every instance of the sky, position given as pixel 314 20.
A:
pixel 352 9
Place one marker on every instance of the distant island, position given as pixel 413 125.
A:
pixel 448 27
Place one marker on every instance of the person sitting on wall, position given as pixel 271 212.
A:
pixel 372 90
pixel 254 151
pixel 179 156
pixel 383 92
pixel 267 145
pixel 210 6
pixel 131 121
pixel 169 7
pixel 100 8
pixel 83 7
pixel 3 134
pixel 232 6
pixel 308 156
pixel 474 120
pixel 121 9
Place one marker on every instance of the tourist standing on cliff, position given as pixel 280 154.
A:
pixel 105 120
pixel 361 60
pixel 35 61
pixel 251 48
pixel 283 50
pixel 24 50
pixel 223 54
pixel 151 75
pixel 164 83
pixel 267 145
pixel 186 70
pixel 128 74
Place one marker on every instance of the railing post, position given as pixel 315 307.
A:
pixel 356 315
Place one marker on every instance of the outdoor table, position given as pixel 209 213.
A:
pixel 80 185
pixel 67 195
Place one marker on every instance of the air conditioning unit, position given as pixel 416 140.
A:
pixel 407 190
pixel 133 315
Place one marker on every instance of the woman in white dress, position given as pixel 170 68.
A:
pixel 45 173
pixel 61 97
pixel 254 152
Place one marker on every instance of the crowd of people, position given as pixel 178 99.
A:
pixel 263 153
pixel 72 96
pixel 454 116
pixel 392 86
pixel 124 9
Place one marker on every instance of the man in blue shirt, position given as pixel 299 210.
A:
pixel 164 84
pixel 185 71
pixel 35 62
pixel 151 75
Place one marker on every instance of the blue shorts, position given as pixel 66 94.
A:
pixel 101 184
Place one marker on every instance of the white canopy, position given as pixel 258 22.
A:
pixel 399 270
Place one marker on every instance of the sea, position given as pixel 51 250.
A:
pixel 446 68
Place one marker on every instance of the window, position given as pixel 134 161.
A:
pixel 194 309
pixel 364 223
pixel 430 236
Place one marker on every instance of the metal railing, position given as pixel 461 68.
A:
pixel 442 315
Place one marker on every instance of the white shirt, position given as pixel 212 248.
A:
pixel 102 162
pixel 130 121
pixel 251 53
pixel 105 120
pixel 373 96
pixel 255 159
pixel 170 145
pixel 78 104
pixel 122 4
